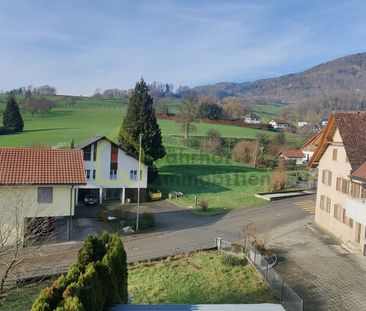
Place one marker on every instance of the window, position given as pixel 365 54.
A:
pixel 45 195
pixel 363 192
pixel 114 154
pixel 113 171
pixel 133 174
pixel 334 156
pixel 87 173
pixel 355 190
pixel 338 211
pixel 87 153
pixel 327 177
pixel 325 203
pixel 114 162
pixel 339 184
pixel 94 173
pixel 95 152
pixel 343 185
pixel 347 221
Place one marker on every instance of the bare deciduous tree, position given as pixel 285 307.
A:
pixel 256 236
pixel 187 114
pixel 22 233
pixel 246 152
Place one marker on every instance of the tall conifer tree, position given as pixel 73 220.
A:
pixel 12 119
pixel 140 119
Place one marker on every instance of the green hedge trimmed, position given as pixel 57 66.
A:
pixel 97 280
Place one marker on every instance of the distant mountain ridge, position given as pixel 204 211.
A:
pixel 346 75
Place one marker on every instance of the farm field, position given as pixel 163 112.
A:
pixel 223 183
pixel 88 117
pixel 202 278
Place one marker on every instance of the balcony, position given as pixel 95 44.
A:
pixel 356 209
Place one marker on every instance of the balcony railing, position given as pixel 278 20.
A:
pixel 356 209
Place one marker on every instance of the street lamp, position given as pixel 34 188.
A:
pixel 138 186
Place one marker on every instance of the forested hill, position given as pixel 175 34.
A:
pixel 343 76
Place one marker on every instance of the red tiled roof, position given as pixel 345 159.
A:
pixel 31 166
pixel 352 129
pixel 292 153
pixel 360 173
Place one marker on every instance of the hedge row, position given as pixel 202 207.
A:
pixel 98 279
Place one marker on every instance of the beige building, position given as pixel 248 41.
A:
pixel 340 156
pixel 36 189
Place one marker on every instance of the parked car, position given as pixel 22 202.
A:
pixel 91 199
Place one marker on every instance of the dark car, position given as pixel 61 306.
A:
pixel 91 199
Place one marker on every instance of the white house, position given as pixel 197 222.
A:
pixel 279 124
pixel 110 171
pixel 292 155
pixel 309 147
pixel 252 118
pixel 301 123
pixel 37 184
pixel 324 121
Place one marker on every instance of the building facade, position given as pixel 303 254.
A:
pixel 279 124
pixel 340 203
pixel 37 184
pixel 252 118
pixel 111 173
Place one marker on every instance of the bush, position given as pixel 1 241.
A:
pixel 232 260
pixel 203 204
pixel 146 221
pixel 97 280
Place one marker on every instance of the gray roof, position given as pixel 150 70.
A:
pixel 218 307
pixel 89 141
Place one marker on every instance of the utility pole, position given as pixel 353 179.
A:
pixel 139 175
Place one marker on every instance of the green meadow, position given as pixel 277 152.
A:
pixel 223 183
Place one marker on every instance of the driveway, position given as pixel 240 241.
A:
pixel 320 271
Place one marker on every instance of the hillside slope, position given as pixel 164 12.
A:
pixel 342 75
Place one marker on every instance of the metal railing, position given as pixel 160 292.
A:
pixel 280 288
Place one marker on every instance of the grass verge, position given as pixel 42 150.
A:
pixel 201 278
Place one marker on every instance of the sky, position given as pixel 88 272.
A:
pixel 81 45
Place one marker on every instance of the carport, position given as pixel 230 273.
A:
pixel 82 191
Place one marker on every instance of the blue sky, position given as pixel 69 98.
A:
pixel 79 45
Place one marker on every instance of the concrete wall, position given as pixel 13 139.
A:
pixel 20 202
pixel 339 168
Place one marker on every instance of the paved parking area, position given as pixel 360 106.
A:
pixel 324 275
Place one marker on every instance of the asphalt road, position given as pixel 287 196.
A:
pixel 177 230
pixel 182 229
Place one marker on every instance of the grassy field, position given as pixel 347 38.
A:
pixel 223 183
pixel 202 278
pixel 84 120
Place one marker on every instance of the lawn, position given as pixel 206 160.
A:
pixel 223 183
pixel 22 297
pixel 202 278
